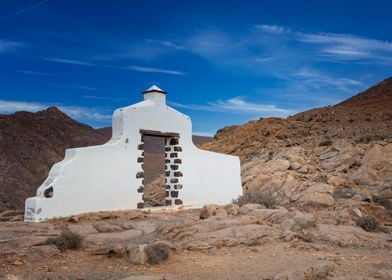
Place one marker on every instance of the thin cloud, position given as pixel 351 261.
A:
pixel 164 43
pixel 94 97
pixel 237 105
pixel 24 10
pixel 318 80
pixel 136 68
pixel 35 73
pixel 6 46
pixel 69 61
pixel 153 70
pixel 275 29
pixel 77 112
pixel 336 46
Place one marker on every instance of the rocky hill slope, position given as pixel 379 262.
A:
pixel 30 143
pixel 333 159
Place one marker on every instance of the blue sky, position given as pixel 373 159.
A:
pixel 221 62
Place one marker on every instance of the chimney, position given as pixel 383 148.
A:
pixel 155 94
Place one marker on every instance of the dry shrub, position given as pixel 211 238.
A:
pixel 258 197
pixel 369 223
pixel 157 252
pixel 66 241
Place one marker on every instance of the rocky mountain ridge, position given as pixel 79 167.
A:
pixel 333 159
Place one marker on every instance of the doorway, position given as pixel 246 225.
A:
pixel 161 173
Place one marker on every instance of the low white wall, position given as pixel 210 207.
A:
pixel 103 178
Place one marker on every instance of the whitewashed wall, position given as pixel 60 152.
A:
pixel 103 178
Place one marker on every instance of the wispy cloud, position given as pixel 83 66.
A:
pixel 136 68
pixel 35 73
pixel 164 43
pixel 153 70
pixel 276 29
pixel 94 97
pixel 77 112
pixel 68 61
pixel 319 80
pixel 6 46
pixel 21 11
pixel 238 105
pixel 337 46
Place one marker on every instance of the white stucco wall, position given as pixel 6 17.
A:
pixel 103 178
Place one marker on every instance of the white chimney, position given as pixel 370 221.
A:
pixel 155 94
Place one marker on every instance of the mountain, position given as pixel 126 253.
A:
pixel 362 118
pixel 336 160
pixel 30 143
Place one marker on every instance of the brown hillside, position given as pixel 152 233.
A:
pixel 30 143
pixel 361 118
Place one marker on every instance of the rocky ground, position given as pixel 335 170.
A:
pixel 230 242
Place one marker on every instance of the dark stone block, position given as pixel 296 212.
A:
pixel 167 149
pixel 168 187
pixel 174 193
pixel 140 147
pixel 174 141
pixel 168 202
pixel 140 174
pixel 140 189
pixel 177 149
pixel 143 182
pixel 178 174
pixel 167 194
pixel 165 180
pixel 167 173
pixel 178 186
pixel 173 155
pixel 140 205
pixel 167 160
pixel 142 154
pixel 178 202
pixel 174 167
pixel 174 180
pixel 177 160
pixel 140 159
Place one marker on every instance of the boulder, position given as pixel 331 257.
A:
pixel 376 167
pixel 246 208
pixel 36 253
pixel 339 162
pixel 318 194
pixel 210 210
pixel 336 181
pixel 106 227
pixel 290 185
pixel 231 209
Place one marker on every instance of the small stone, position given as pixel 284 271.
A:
pixel 17 263
pixel 210 210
